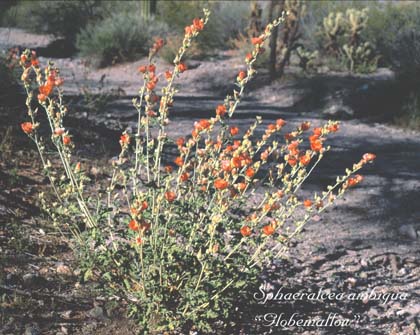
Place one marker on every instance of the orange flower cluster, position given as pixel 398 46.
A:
pixel 29 60
pixel 221 110
pixel 170 196
pixel 46 89
pixel 124 139
pixel 66 140
pixel 353 181
pixel 159 43
pixel 27 127
pixel 197 25
pixel 135 226
pixel 200 126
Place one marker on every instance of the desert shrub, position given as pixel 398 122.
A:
pixel 121 37
pixel 61 18
pixel 393 29
pixel 180 242
pixel 228 21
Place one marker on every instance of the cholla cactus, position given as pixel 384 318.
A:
pixel 357 20
pixel 307 59
pixel 360 57
pixel 334 28
pixel 344 39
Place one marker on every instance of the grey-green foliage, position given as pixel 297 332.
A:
pixel 394 30
pixel 228 19
pixel 60 17
pixel 123 36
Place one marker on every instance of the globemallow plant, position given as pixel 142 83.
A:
pixel 179 242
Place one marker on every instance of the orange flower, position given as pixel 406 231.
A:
pixel 234 131
pixel 46 89
pixel 316 145
pixel 271 128
pixel 245 231
pixel 280 123
pixel 142 68
pixel 220 184
pixel 66 140
pixel 144 206
pixel 202 125
pixel 289 136
pixel 184 177
pixel 179 161
pixel 151 113
pixel 368 157
pixel 139 240
pixel 264 155
pixel 248 57
pixel 170 196
pixel 168 75
pixel 293 148
pixel 307 203
pixel 226 166
pixel 354 180
pixel 133 225
pixel 59 131
pixel 152 68
pixel 182 67
pixel 250 172
pixel 257 40
pixel 268 230
pixel 241 75
pixel 180 142
pixel 241 187
pixel 333 128
pixel 198 24
pixel 151 85
pixel 168 169
pixel 305 126
pixel 305 159
pixel 189 30
pixel 27 127
pixel 292 160
pixel 221 110
pixel 124 139
pixel 317 131
pixel 236 161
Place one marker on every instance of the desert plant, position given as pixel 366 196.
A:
pixel 119 38
pixel 344 40
pixel 288 36
pixel 307 59
pixel 181 242
pixel 62 18
pixel 228 21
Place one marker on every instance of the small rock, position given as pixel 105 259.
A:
pixel 32 330
pixel 363 275
pixel 364 262
pixel 402 272
pixel 408 231
pixel 339 111
pixel 64 270
pixel 29 279
pixel 352 281
pixel 374 312
pixel 97 313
